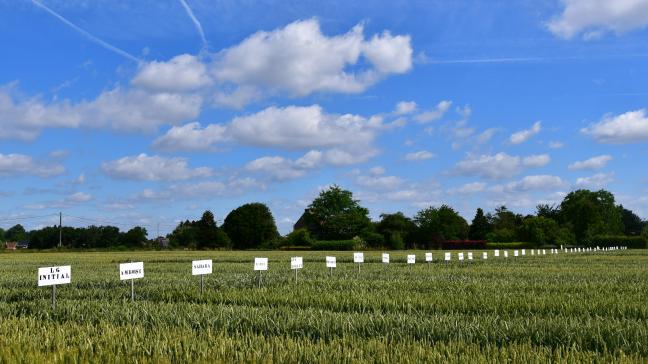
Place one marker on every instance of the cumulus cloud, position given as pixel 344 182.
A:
pixel 592 18
pixel 299 60
pixel 498 166
pixel 297 127
pixel 468 188
pixel 181 73
pixel 279 168
pixel 405 107
pixel 15 165
pixel 378 182
pixel 592 163
pixel 191 137
pixel 78 197
pixel 434 114
pixel 419 156
pixel 153 168
pixel 524 135
pixel 128 110
pixel 629 127
pixel 598 180
pixel 535 183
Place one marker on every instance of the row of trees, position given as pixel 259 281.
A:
pixel 335 215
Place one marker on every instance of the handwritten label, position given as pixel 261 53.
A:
pixel 485 255
pixel 131 270
pixel 460 256
pixel 260 263
pixel 50 276
pixel 385 258
pixel 330 262
pixel 428 257
pixel 523 251
pixel 497 253
pixel 201 267
pixel 448 256
pixel 296 263
pixel 470 256
pixel 515 253
pixel 358 257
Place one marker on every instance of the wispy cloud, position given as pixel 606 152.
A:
pixel 199 27
pixel 86 34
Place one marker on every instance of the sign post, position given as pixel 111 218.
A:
pixel 200 268
pixel 447 257
pixel 428 259
pixel 296 263
pixel 470 257
pixel 330 263
pixel 260 264
pixel 131 271
pixel 485 255
pixel 359 259
pixel 53 276
pixel 411 260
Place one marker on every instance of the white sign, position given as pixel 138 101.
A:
pixel 330 262
pixel 532 251
pixel 131 270
pixel 200 267
pixel 296 263
pixel 497 253
pixel 50 276
pixel 428 257
pixel 460 255
pixel 448 256
pixel 411 259
pixel 385 258
pixel 485 255
pixel 515 253
pixel 470 256
pixel 523 251
pixel 544 252
pixel 260 263
pixel 505 253
pixel 358 257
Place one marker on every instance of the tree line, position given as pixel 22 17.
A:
pixel 335 220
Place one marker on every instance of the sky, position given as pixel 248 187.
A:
pixel 150 112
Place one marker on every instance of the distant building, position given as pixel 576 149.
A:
pixel 10 245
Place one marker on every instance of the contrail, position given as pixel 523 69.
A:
pixel 88 35
pixel 199 27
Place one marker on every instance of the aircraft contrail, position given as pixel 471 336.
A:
pixel 86 34
pixel 199 27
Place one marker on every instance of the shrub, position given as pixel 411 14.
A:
pixel 334 245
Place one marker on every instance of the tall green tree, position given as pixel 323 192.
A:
pixel 480 227
pixel 16 233
pixel 2 235
pixel 436 225
pixel 632 224
pixel 335 215
pixel 541 230
pixel 135 237
pixel 505 225
pixel 396 229
pixel 548 211
pixel 589 214
pixel 251 226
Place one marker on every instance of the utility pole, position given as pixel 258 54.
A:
pixel 60 229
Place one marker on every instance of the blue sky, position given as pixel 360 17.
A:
pixel 150 112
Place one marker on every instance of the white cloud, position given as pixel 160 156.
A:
pixel 13 165
pixel 524 135
pixel 468 188
pixel 128 110
pixel 598 180
pixel 297 127
pixel 629 127
pixel 419 156
pixel 537 160
pixel 498 166
pixel 191 137
pixel 535 183
pixel 279 168
pixel 435 114
pixel 405 107
pixel 181 73
pixel 78 197
pixel 153 168
pixel 299 59
pixel 592 18
pixel 378 182
pixel 556 145
pixel 592 163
